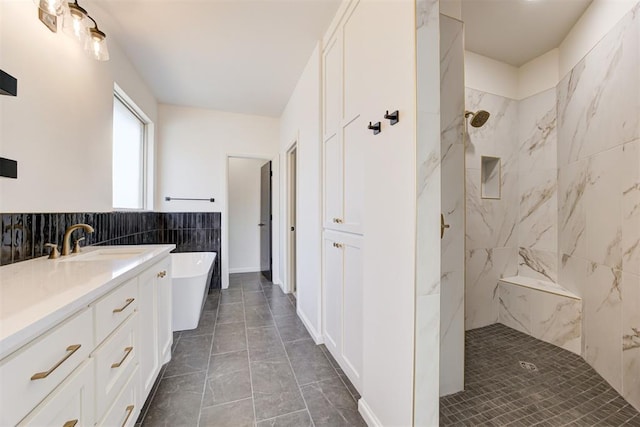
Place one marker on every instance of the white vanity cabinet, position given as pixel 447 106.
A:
pixel 155 318
pixel 342 296
pixel 87 369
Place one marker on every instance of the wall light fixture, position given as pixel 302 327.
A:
pixel 78 24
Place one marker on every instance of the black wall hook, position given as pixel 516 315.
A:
pixel 393 117
pixel 374 127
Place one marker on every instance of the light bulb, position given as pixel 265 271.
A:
pixel 76 22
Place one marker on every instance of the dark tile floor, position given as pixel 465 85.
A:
pixel 563 391
pixel 250 362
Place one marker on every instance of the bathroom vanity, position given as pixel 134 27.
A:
pixel 83 337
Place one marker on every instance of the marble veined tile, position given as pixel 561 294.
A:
pixel 631 208
pixel 428 361
pixel 484 268
pixel 538 264
pixel 557 320
pixel 514 308
pixel 428 55
pixel 631 338
pixel 572 274
pixel 491 223
pixel 538 213
pixel 499 136
pixel 428 204
pixel 593 112
pixel 603 323
pixel 604 208
pixel 572 209
pixel 537 130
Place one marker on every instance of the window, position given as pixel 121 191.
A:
pixel 129 154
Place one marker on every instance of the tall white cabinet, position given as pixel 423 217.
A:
pixel 344 136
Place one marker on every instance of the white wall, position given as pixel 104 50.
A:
pixel 193 147
pixel 544 72
pixel 59 127
pixel 599 18
pixel 539 74
pixel 300 122
pixel 488 75
pixel 244 214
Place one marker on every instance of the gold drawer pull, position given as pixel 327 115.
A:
pixel 70 350
pixel 337 245
pixel 71 423
pixel 124 307
pixel 162 274
pixel 127 351
pixel 129 412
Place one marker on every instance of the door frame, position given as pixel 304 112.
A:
pixel 275 210
pixel 291 275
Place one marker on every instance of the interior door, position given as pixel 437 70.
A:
pixel 265 220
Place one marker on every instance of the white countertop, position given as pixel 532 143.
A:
pixel 38 294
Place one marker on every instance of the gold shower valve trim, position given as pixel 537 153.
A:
pixel 443 226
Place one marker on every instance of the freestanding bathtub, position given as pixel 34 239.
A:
pixel 191 274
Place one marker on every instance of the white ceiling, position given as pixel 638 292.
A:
pixel 240 56
pixel 517 31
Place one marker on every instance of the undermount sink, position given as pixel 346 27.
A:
pixel 109 254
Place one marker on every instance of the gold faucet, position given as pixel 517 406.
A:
pixel 66 245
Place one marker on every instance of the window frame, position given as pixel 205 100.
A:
pixel 147 131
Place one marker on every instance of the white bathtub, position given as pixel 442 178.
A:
pixel 191 274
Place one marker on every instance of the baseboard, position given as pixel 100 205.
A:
pixel 244 270
pixel 367 414
pixel 317 337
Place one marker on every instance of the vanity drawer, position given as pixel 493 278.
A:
pixel 71 404
pixel 124 410
pixel 114 308
pixel 31 373
pixel 115 360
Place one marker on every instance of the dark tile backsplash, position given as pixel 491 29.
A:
pixel 22 236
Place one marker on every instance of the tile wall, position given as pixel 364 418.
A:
pixel 23 235
pixel 570 208
pixel 599 201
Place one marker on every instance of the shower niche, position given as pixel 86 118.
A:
pixel 490 177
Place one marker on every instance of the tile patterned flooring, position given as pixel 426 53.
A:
pixel 564 391
pixel 250 362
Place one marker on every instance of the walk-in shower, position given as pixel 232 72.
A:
pixel 478 119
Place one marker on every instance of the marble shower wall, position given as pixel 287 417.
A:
pixel 599 201
pixel 537 187
pixel 491 225
pixel 517 234
pixel 452 200
pixel 427 324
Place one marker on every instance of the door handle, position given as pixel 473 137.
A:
pixel 261 225
pixel 443 226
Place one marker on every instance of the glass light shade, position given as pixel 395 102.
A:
pixel 76 23
pixel 96 45
pixel 52 7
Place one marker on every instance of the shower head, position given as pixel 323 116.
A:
pixel 479 118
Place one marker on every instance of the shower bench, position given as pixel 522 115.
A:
pixel 542 309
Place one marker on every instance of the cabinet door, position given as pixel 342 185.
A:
pixel 333 182
pixel 72 403
pixel 353 154
pixel 149 362
pixel 163 288
pixel 332 133
pixel 352 352
pixel 332 294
